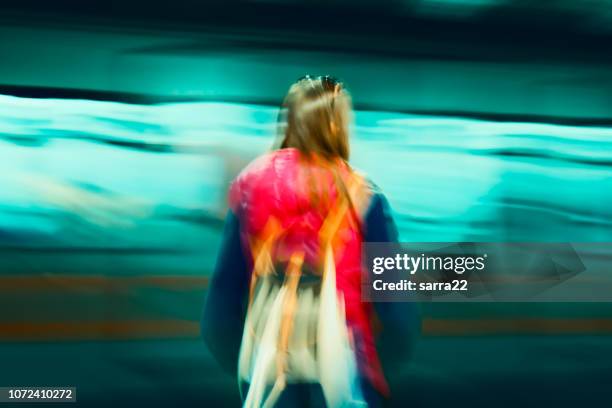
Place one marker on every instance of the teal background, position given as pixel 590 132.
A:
pixel 118 140
pixel 123 194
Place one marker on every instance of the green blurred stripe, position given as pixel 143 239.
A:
pixel 174 328
pixel 54 282
pixel 99 330
pixel 521 326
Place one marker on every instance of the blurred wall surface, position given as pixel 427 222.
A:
pixel 118 143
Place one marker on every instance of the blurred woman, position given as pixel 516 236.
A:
pixel 298 217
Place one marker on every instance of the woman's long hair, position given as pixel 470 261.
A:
pixel 315 119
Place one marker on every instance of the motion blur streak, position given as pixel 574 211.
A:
pixel 148 182
pixel 114 210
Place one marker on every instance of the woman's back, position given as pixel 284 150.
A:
pixel 281 209
pixel 300 193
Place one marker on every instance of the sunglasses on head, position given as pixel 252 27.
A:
pixel 329 82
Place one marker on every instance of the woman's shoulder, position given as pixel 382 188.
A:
pixel 268 161
pixel 261 171
pixel 378 222
pixel 367 182
pixel 367 195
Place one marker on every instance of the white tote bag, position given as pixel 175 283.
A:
pixel 297 333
